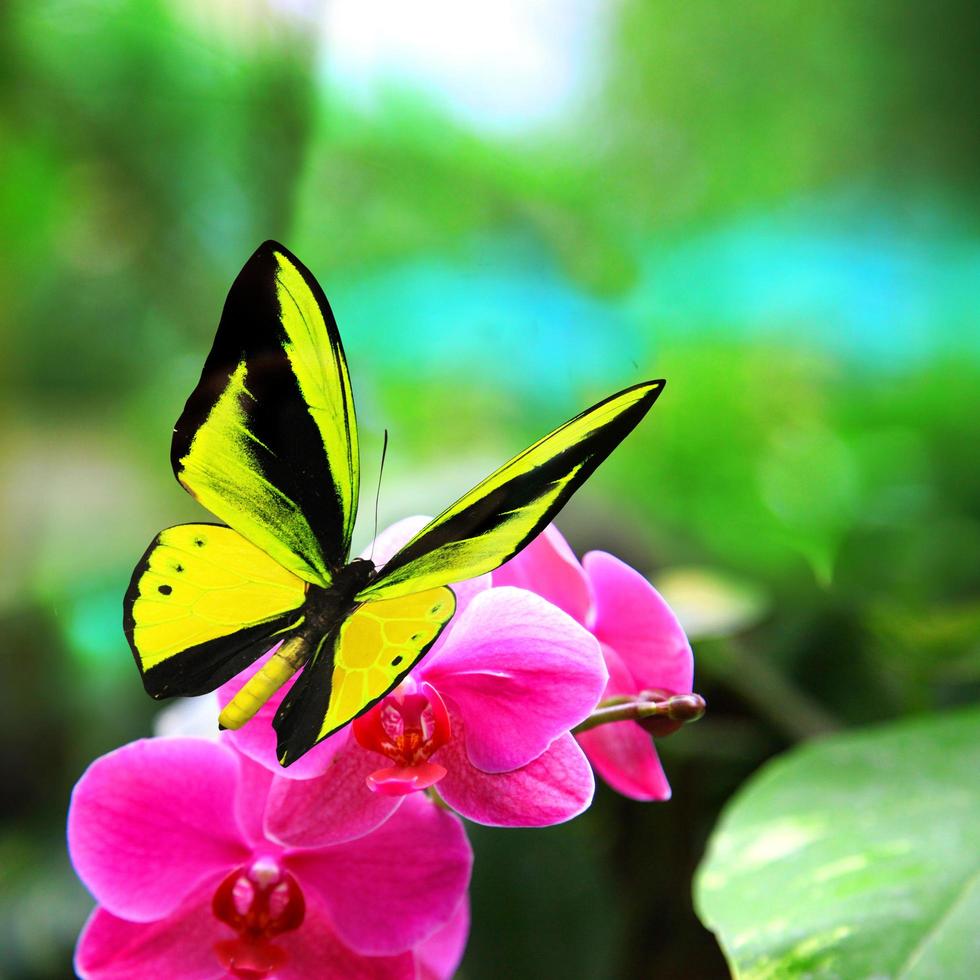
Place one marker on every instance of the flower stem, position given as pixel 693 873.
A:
pixel 660 715
pixel 436 798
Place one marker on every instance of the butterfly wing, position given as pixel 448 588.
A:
pixel 202 605
pixel 268 439
pixel 499 516
pixel 364 659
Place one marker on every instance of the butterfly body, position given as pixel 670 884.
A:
pixel 325 607
pixel 268 443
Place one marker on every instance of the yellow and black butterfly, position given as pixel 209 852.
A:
pixel 268 443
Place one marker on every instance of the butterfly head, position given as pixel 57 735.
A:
pixel 360 570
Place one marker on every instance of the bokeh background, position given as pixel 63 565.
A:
pixel 516 208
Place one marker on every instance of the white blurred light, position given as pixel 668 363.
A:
pixel 504 65
pixel 188 717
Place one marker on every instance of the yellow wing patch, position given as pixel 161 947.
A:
pixel 200 582
pixel 379 644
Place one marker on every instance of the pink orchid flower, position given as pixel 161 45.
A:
pixel 485 718
pixel 170 836
pixel 643 644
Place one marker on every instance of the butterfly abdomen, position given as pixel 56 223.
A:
pixel 280 667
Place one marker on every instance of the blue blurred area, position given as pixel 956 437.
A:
pixel 851 278
pixel 510 315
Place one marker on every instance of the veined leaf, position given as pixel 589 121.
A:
pixel 856 856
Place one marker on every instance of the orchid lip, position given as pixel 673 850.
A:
pixel 258 901
pixel 408 727
pixel 402 780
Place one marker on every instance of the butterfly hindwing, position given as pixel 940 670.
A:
pixel 268 439
pixel 499 516
pixel 370 652
pixel 202 605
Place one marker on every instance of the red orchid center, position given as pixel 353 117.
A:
pixel 258 901
pixel 408 728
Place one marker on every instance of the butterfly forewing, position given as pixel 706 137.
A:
pixel 499 516
pixel 202 605
pixel 268 439
pixel 372 651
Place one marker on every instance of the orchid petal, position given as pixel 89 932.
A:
pixel 521 672
pixel 548 566
pixel 465 592
pixel 632 617
pixel 151 820
pixel 179 945
pixel 555 787
pixel 390 890
pixel 251 797
pixel 439 956
pixel 393 538
pixel 624 756
pixel 336 808
pixel 315 950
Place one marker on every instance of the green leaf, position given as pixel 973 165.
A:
pixel 855 856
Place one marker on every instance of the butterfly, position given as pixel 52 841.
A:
pixel 268 443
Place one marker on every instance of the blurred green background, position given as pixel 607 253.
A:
pixel 515 208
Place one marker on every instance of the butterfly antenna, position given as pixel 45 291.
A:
pixel 377 496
